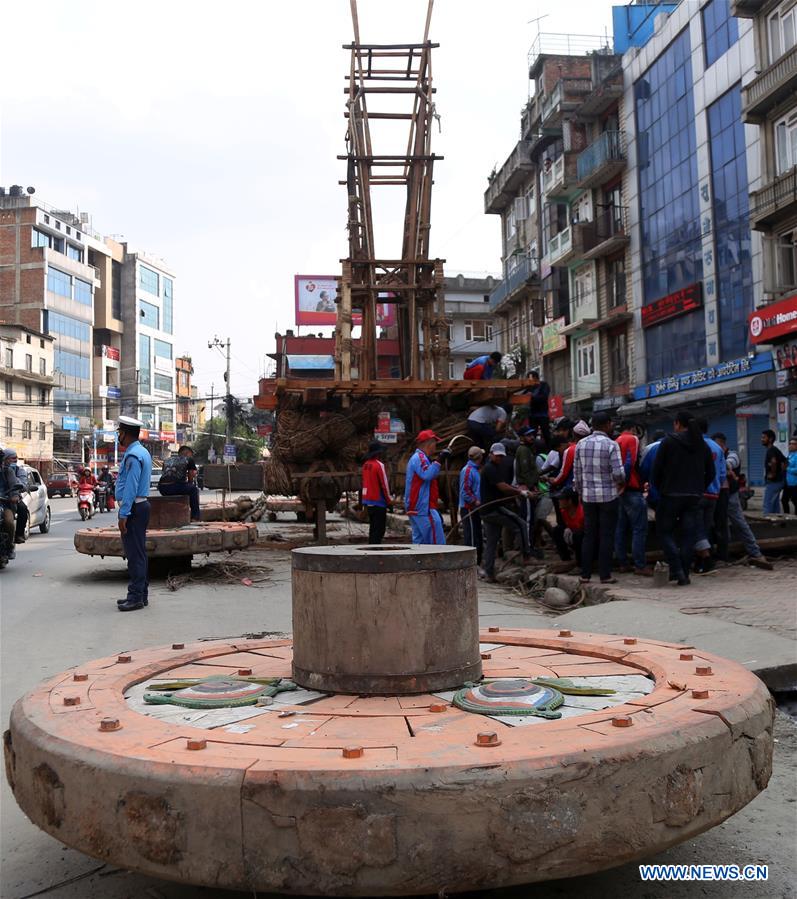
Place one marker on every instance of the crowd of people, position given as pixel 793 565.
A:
pixel 595 489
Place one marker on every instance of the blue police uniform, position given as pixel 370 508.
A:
pixel 132 490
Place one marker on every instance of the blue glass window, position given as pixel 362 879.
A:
pixel 65 325
pixel 164 383
pixel 83 292
pixel 39 238
pixel 144 363
pixel 71 364
pixel 59 282
pixel 732 258
pixel 74 252
pixel 168 300
pixel 149 314
pixel 669 210
pixel 148 280
pixel 163 349
pixel 720 30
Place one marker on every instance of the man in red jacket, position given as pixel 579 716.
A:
pixel 375 493
pixel 633 508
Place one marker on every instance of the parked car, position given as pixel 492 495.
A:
pixel 61 483
pixel 38 502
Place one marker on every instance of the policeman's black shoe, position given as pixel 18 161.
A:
pixel 130 606
pixel 125 601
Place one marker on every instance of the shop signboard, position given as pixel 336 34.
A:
pixel 70 422
pixel 314 297
pixel 775 320
pixel 556 406
pixel 552 338
pixel 229 454
pixel 674 304
pixel 712 374
pixel 111 353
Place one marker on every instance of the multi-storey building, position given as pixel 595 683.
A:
pixel 471 326
pixel 697 267
pixel 186 419
pixel 26 384
pixel 560 195
pixel 769 101
pixel 147 365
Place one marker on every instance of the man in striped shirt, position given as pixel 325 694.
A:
pixel 599 480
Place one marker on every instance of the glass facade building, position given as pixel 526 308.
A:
pixel 732 243
pixel 720 30
pixel 669 206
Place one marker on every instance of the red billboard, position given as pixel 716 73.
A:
pixel 775 320
pixel 315 303
pixel 682 301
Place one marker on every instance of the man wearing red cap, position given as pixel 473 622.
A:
pixel 420 491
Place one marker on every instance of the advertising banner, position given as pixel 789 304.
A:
pixel 110 352
pixel 552 338
pixel 315 302
pixel 229 453
pixel 673 305
pixel 775 320
pixel 70 422
pixel 556 406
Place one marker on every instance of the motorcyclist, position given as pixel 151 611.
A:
pixel 10 459
pixel 10 492
pixel 106 479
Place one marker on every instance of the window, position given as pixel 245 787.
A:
pixel 669 206
pixel 27 430
pixel 733 280
pixel 149 314
pixel 165 415
pixel 144 363
pixel 163 383
pixel 44 396
pixel 41 343
pixel 28 362
pixel 478 330
pixel 163 349
pixel 450 371
pixel 9 427
pixel 514 332
pixel 39 238
pixel 168 306
pixel 147 415
pixel 148 280
pixel 27 338
pixel 42 431
pixel 720 30
pixel 9 357
pixel 785 263
pixel 585 358
pixel 28 394
pixel 786 143
pixel 74 365
pixel 615 282
pixel 83 292
pixel 42 366
pixel 782 31
pixel 9 390
pixel 116 289
pixel 66 326
pixel 618 355
pixel 74 252
pixel 59 282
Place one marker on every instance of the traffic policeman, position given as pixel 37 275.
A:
pixel 132 490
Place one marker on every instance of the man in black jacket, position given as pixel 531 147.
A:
pixel 682 470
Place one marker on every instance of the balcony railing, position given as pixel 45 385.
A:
pixel 559 247
pixel 602 159
pixel 607 233
pixel 567 91
pixel 560 177
pixel 776 200
pixel 773 85
pixel 509 177
pixel 552 44
pixel 526 270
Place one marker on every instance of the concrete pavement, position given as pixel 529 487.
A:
pixel 58 608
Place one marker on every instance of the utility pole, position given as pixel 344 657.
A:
pixel 228 398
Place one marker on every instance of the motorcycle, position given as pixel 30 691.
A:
pixel 102 498
pixel 7 513
pixel 85 502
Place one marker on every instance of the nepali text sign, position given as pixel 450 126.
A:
pixel 110 352
pixel 552 338
pixel 775 320
pixel 674 304
pixel 70 422
pixel 229 453
pixel 315 303
pixel 712 374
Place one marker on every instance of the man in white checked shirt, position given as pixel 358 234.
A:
pixel 599 480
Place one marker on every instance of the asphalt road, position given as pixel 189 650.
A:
pixel 57 608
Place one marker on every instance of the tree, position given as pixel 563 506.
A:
pixel 248 445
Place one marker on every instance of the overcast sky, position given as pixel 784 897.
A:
pixel 207 134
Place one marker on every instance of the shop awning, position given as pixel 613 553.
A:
pixel 311 363
pixel 700 396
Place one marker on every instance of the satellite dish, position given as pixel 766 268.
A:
pixel 31 190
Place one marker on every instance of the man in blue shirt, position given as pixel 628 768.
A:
pixel 132 490
pixel 482 367
pixel 470 500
